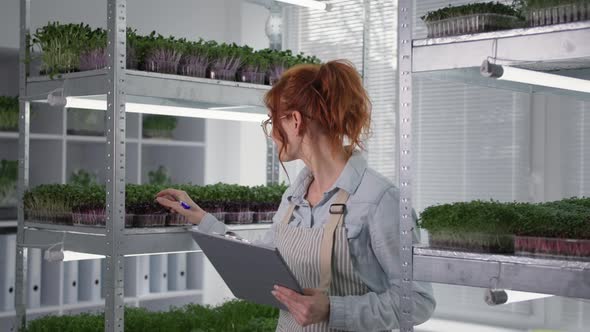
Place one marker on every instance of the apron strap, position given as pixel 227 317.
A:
pixel 335 219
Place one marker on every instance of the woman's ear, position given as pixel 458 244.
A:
pixel 297 118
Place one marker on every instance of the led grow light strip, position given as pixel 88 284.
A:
pixel 219 113
pixel 525 76
pixel 517 296
pixel 500 296
pixel 307 3
pixel 69 256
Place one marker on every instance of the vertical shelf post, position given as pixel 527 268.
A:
pixel 274 32
pixel 115 168
pixel 366 39
pixel 404 126
pixel 20 300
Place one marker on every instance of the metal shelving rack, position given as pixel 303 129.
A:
pixel 116 86
pixel 562 47
pixel 450 58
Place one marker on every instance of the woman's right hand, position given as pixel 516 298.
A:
pixel 172 198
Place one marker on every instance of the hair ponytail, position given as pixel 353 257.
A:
pixel 331 94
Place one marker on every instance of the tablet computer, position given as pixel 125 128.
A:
pixel 250 271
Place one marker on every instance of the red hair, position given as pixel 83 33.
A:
pixel 331 95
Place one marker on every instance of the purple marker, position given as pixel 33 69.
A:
pixel 184 205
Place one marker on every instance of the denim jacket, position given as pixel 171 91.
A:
pixel 372 223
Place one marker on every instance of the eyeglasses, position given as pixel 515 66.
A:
pixel 267 125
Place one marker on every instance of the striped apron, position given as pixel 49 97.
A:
pixel 319 258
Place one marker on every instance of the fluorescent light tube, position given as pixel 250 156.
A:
pixel 516 296
pixel 526 76
pixel 218 113
pixel 499 296
pixel 164 253
pixel 319 5
pixel 69 256
pixel 79 256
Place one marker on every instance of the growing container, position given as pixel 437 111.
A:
pixel 192 70
pixel 252 77
pixel 470 24
pixel 150 220
pixel 175 219
pixel 552 247
pixel 95 59
pixel 573 12
pixel 164 67
pixel 473 242
pixel 223 74
pixel 243 217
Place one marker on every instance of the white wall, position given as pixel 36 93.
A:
pixel 236 152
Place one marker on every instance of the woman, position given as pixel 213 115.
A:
pixel 337 226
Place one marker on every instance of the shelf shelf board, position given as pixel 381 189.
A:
pixel 144 141
pixel 251 227
pixel 8 223
pixel 180 95
pixel 550 276
pixel 39 311
pixel 139 240
pixel 170 295
pixel 94 139
pixel 559 48
pixel 86 139
pixel 99 305
pixel 34 136
pixel 66 228
pixel 134 230
pixel 8 134
pixel 164 142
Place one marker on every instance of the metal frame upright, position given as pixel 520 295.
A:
pixel 115 158
pixel 404 142
pixel 23 164
pixel 115 164
pixel 274 32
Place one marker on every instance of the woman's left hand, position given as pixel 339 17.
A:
pixel 310 308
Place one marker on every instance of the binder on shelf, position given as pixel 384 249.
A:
pixel 51 283
pixel 137 276
pixel 7 271
pixel 194 266
pixel 70 282
pixel 89 280
pixel 34 278
pixel 177 272
pixel 103 275
pixel 159 273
